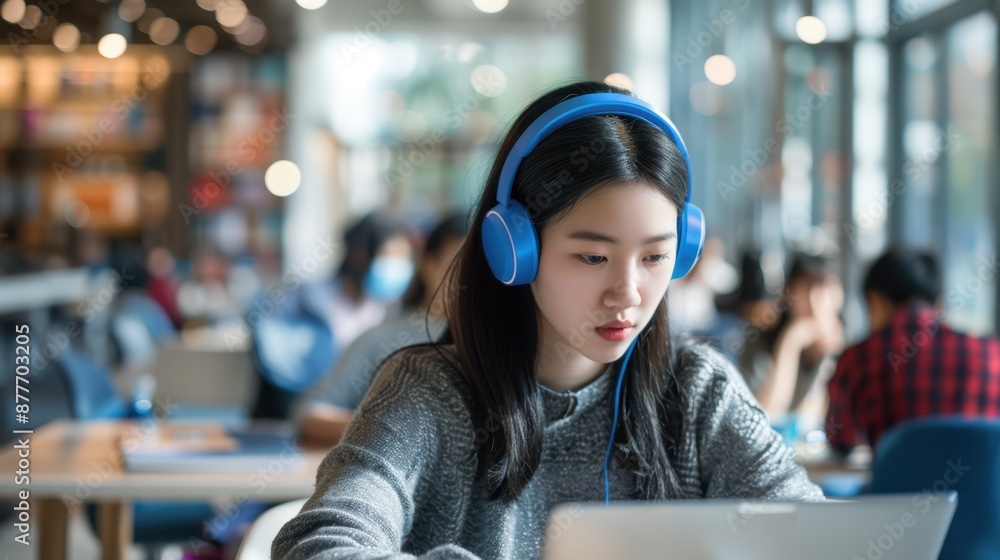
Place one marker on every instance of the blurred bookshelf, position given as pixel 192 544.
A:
pixel 81 144
pixel 154 141
pixel 239 121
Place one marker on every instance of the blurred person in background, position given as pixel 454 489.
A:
pixel 93 252
pixel 912 364
pixel 692 298
pixel 376 269
pixel 206 298
pixel 164 283
pixel 744 313
pixel 324 412
pixel 782 364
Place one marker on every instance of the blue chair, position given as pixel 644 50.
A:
pixel 930 456
pixel 91 391
pixel 291 352
pixel 138 326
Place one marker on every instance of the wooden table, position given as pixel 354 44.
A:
pixel 73 462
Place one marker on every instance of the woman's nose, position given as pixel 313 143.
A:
pixel 625 292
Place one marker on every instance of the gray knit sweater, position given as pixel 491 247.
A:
pixel 402 482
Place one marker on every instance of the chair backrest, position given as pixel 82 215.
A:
pixel 256 543
pixel 934 455
pixel 292 351
pixel 152 315
pixel 139 324
pixel 133 339
pixel 92 391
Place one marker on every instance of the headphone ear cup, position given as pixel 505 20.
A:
pixel 690 240
pixel 510 244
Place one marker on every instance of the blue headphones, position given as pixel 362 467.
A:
pixel 509 238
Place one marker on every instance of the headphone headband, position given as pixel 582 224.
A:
pixel 510 241
pixel 578 107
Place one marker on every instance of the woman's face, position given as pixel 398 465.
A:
pixel 610 258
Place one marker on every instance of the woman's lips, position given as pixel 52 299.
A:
pixel 612 334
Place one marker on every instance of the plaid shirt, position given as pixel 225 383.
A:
pixel 914 367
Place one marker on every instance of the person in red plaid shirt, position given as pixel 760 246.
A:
pixel 912 364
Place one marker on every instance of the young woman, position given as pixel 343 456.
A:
pixel 463 447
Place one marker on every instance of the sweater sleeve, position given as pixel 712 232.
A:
pixel 740 455
pixel 369 488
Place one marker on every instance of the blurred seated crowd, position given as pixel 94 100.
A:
pixel 315 345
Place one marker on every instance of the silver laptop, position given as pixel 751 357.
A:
pixel 883 527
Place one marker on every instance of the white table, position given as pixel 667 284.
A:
pixel 80 461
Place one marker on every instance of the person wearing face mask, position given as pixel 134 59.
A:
pixel 376 269
pixel 323 413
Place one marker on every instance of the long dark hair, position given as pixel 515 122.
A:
pixel 494 326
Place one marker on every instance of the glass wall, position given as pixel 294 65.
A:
pixel 947 152
pixel 970 276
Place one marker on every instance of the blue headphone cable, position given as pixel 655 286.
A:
pixel 614 420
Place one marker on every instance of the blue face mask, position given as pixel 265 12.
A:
pixel 388 278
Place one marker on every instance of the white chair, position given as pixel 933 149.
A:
pixel 256 543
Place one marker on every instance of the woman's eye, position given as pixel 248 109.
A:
pixel 597 259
